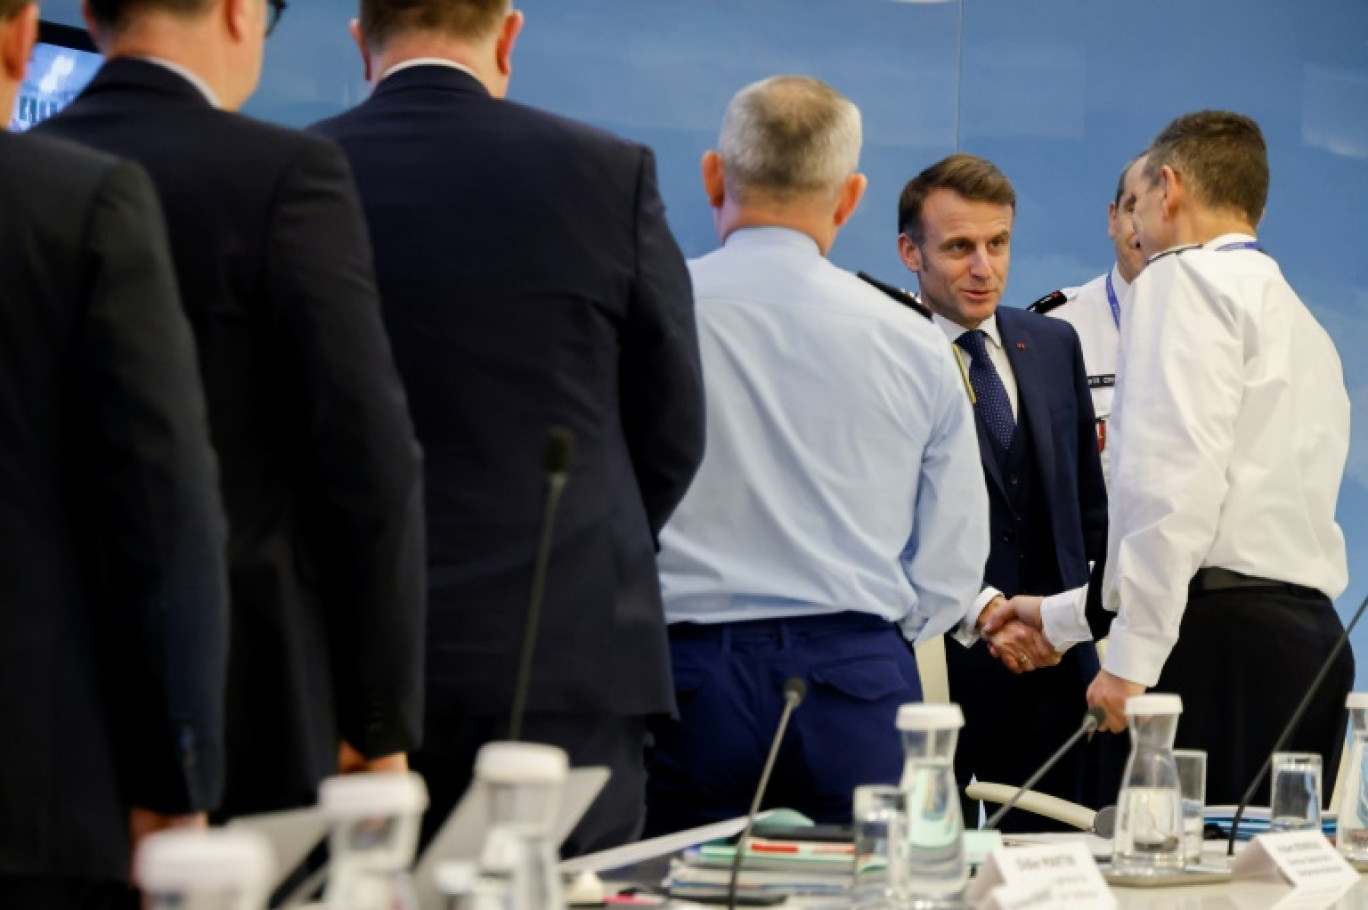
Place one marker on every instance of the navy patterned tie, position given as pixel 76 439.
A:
pixel 992 402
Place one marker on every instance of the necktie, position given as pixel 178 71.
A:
pixel 992 403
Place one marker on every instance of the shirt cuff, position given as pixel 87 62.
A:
pixel 1063 618
pixel 968 632
pixel 1134 658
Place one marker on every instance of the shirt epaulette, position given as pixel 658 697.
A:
pixel 906 298
pixel 1050 301
pixel 1176 251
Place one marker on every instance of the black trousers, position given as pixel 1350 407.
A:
pixel 21 893
pixel 1013 723
pixel 1245 658
pixel 447 762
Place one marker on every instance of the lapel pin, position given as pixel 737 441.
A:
pixel 1021 345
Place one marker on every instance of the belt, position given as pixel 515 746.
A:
pixel 1211 580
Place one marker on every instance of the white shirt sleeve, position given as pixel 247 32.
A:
pixel 1064 618
pixel 1180 383
pixel 967 633
pixel 944 559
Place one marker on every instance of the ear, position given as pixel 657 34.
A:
pixel 238 18
pixel 355 28
pixel 503 46
pixel 91 25
pixel 909 253
pixel 1171 184
pixel 851 194
pixel 16 43
pixel 1111 219
pixel 714 182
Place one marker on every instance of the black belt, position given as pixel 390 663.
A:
pixel 1211 580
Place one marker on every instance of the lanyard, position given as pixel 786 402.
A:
pixel 1240 245
pixel 1115 304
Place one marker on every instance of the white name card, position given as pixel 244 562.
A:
pixel 1302 859
pixel 1067 871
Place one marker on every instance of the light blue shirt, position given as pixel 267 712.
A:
pixel 842 466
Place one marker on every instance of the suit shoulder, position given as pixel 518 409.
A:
pixel 53 168
pixel 573 131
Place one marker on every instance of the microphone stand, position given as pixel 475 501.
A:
pixel 1091 721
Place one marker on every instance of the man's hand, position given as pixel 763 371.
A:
pixel 1110 692
pixel 349 761
pixel 1000 612
pixel 143 822
pixel 1021 648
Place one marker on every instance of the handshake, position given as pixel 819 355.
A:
pixel 1014 632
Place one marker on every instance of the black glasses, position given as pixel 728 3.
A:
pixel 276 10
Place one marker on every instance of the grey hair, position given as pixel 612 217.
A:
pixel 789 136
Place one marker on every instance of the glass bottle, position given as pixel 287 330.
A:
pixel 375 819
pixel 927 867
pixel 205 870
pixel 523 784
pixel 1149 812
pixel 1352 835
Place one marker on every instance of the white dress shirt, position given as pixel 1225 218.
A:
pixel 1230 432
pixel 841 470
pixel 428 61
pixel 966 633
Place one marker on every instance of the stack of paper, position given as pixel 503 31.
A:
pixel 770 867
pixel 1255 821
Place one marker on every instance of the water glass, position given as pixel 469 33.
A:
pixel 1296 797
pixel 1192 791
pixel 878 814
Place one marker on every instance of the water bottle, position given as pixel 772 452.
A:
pixel 523 784
pixel 927 867
pixel 1352 836
pixel 375 819
pixel 205 870
pixel 1149 811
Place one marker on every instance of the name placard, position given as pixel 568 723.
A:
pixel 1302 859
pixel 1066 871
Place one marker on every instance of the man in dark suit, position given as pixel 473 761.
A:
pixel 1047 500
pixel 321 472
pixel 529 281
pixel 113 610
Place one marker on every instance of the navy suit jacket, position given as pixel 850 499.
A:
pixel 1052 387
pixel 319 465
pixel 529 280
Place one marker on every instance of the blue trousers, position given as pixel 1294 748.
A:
pixel 729 680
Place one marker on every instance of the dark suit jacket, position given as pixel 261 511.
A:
pixel 529 280
pixel 1052 387
pixel 113 603
pixel 320 469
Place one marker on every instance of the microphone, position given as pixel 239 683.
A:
pixel 794 690
pixel 1091 721
pixel 556 458
pixel 1292 724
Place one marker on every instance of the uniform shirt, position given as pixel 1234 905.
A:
pixel 1088 309
pixel 1230 431
pixel 842 468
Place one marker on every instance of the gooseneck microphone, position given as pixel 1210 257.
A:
pixel 1091 721
pixel 1291 727
pixel 794 690
pixel 556 458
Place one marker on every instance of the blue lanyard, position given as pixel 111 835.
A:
pixel 1240 245
pixel 1115 304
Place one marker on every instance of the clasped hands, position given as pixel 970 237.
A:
pixel 1014 631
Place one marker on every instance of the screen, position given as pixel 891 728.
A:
pixel 63 62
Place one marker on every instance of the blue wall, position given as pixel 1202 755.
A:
pixel 1060 93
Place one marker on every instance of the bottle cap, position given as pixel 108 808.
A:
pixel 930 717
pixel 198 861
pixel 369 795
pixel 1153 703
pixel 521 763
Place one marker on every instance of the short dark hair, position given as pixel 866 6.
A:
pixel 10 8
pixel 1121 181
pixel 1222 157
pixel 976 179
pixel 381 20
pixel 114 14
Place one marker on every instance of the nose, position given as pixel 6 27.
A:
pixel 980 263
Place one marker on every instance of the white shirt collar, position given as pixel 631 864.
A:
pixel 1229 238
pixel 1119 284
pixel 188 76
pixel 428 61
pixel 954 330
